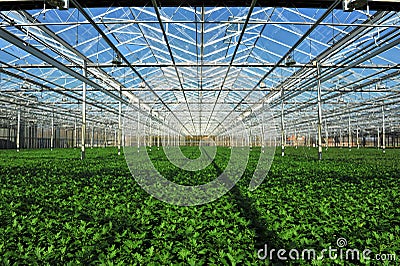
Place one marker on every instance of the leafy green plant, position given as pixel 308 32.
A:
pixel 56 209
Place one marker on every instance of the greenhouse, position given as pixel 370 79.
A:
pixel 199 133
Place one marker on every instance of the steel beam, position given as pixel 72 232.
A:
pixel 48 59
pixel 154 2
pixel 251 8
pixel 281 60
pixel 38 4
pixel 205 64
pixel 114 48
pixel 208 22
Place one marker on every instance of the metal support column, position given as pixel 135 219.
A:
pixel 8 136
pixel 270 139
pixel 262 130
pixel 105 136
pixel 138 128
pixel 75 135
pixel 319 113
pixel 151 129
pixel 282 126
pixel 164 136
pixel 52 131
pixel 169 139
pixel 83 129
pixel 123 136
pixel 379 139
pixel 97 138
pixel 159 134
pixel 92 138
pixel 18 128
pixel 383 129
pixel 357 138
pixel 349 140
pixel 250 138
pixel 119 124
pixel 326 136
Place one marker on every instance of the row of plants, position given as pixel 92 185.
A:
pixel 350 194
pixel 56 209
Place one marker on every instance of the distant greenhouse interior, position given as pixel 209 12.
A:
pixel 326 74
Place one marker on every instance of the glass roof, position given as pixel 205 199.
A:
pixel 206 64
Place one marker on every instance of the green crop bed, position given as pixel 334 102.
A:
pixel 58 210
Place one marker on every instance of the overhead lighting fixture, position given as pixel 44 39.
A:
pixel 263 85
pixel 117 60
pixel 289 61
pixel 24 86
pixel 351 5
pixel 59 4
pixel 380 86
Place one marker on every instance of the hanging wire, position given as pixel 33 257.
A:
pixel 124 76
pixel 77 29
pixel 44 10
pixel 97 52
pixel 333 31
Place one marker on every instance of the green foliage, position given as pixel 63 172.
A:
pixel 56 209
